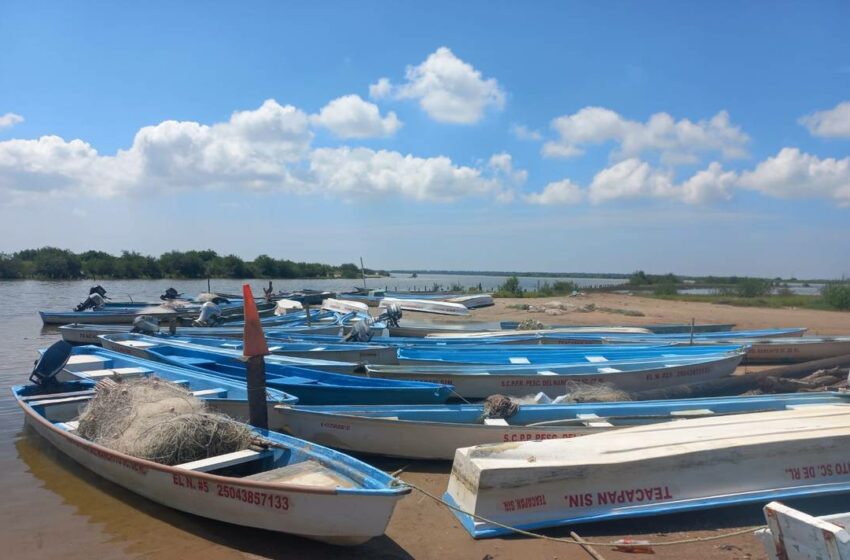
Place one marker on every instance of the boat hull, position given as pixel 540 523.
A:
pixel 651 470
pixel 302 511
pixel 553 380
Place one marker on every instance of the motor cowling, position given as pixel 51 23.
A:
pixel 145 324
pixel 95 301
pixel 209 316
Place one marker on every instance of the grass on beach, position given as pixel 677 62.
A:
pixel 769 301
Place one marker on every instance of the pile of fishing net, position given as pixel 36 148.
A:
pixel 530 325
pixel 577 392
pixel 158 421
pixel 499 406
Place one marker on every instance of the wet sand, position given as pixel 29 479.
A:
pixel 75 515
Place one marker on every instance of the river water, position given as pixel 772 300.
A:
pixel 53 508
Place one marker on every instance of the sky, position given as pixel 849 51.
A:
pixel 685 137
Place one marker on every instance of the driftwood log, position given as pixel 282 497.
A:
pixel 737 384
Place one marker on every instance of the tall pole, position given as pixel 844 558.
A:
pixel 363 272
pixel 254 348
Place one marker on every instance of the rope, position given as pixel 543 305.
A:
pixel 573 541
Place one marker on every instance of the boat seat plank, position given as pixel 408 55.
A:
pixel 594 421
pixel 217 392
pixel 70 426
pixel 136 343
pixel 692 412
pixel 608 370
pixel 519 360
pixel 305 473
pixel 114 372
pixel 86 362
pixel 65 400
pixel 496 422
pixel 596 359
pixel 226 460
pixel 32 398
pixel 546 372
pixel 300 380
pixel 192 361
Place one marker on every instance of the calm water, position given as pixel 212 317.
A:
pixel 52 508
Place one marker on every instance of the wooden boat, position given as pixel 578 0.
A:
pixel 426 306
pixel 126 315
pixel 473 301
pixel 794 350
pixel 654 469
pixel 655 328
pixel 348 352
pixel 436 431
pixel 550 354
pixel 311 386
pixel 794 535
pixel 571 332
pixel 77 333
pixel 481 381
pixel 92 363
pixel 288 485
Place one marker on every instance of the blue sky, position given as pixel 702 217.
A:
pixel 550 136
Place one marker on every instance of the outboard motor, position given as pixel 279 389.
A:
pixel 392 315
pixel 210 315
pixel 360 332
pixel 95 301
pixel 51 363
pixel 170 294
pixel 145 324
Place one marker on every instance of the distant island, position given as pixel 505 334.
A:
pixel 51 263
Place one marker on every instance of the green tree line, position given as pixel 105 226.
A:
pixel 51 263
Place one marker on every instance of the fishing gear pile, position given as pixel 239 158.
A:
pixel 158 421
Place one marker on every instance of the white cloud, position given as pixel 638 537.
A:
pixel 380 89
pixel 10 119
pixel 356 172
pixel 352 117
pixel 522 132
pixel 792 173
pixel 557 192
pixel 833 123
pixel 502 164
pixel 633 178
pixel 268 148
pixel 676 142
pixel 448 89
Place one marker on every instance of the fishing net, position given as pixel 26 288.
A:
pixel 589 392
pixel 499 406
pixel 159 421
pixel 530 325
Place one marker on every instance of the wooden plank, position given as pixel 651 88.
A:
pixel 222 461
pixel 86 362
pixel 799 536
pixel 70 425
pixel 594 421
pixel 115 372
pixel 66 400
pixel 32 398
pixel 210 393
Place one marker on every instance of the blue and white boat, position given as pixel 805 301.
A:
pixel 552 354
pixel 291 375
pixel 281 484
pixel 436 431
pixel 654 469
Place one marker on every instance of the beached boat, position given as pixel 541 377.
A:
pixel 126 315
pixel 436 431
pixel 473 301
pixel 654 469
pixel 656 328
pixel 794 535
pixel 287 485
pixel 291 375
pixel 794 350
pixel 360 353
pixel 570 332
pixel 550 354
pixel 426 306
pixel 481 381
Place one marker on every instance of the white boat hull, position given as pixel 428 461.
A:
pixel 482 385
pixel 656 469
pixel 324 515
pixel 412 440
